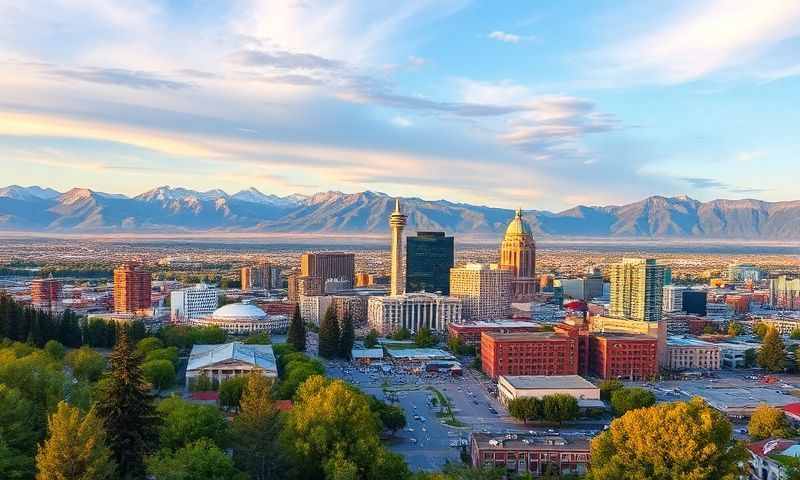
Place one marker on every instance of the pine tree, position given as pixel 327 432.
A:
pixel 126 408
pixel 256 431
pixel 76 448
pixel 772 356
pixel 329 334
pixel 297 331
pixel 347 338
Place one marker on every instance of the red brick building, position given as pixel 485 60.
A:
pixel 278 308
pixel 46 294
pixel 470 333
pixel 132 289
pixel 536 455
pixel 620 355
pixel 538 353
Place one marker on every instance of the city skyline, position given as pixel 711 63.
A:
pixel 545 105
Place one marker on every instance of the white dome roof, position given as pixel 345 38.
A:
pixel 239 311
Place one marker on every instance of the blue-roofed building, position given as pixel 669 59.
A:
pixel 220 362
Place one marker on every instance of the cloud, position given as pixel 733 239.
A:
pixel 415 61
pixel 119 76
pixel 504 37
pixel 703 183
pixel 401 122
pixel 751 156
pixel 286 60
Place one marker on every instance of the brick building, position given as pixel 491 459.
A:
pixel 470 332
pixel 621 355
pixel 132 288
pixel 538 353
pixel 540 456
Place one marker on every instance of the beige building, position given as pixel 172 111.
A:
pixel 413 311
pixel 685 353
pixel 397 222
pixel 510 387
pixel 636 289
pixel 314 307
pixel 485 290
pixel 325 265
pixel 300 286
pixel 518 254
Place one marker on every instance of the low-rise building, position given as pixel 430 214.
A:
pixel 413 311
pixel 221 362
pixel 470 332
pixel 769 458
pixel 510 387
pixel 538 353
pixel 623 355
pixel 536 455
pixel 242 319
pixel 687 353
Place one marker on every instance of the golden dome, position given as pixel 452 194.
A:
pixel 518 226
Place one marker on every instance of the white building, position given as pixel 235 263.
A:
pixel 193 302
pixel 673 299
pixel 485 290
pixel 510 387
pixel 242 319
pixel 220 362
pixel 314 307
pixel 413 311
pixel 689 353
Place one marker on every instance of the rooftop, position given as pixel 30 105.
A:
pixel 547 382
pixel 525 336
pixel 498 324
pixel 689 342
pixel 239 311
pixel 420 354
pixel 357 353
pixel 530 442
pixel 205 355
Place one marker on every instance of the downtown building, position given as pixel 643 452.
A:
pixel 429 258
pixel 470 332
pixel 193 302
pixel 47 295
pixel 518 255
pixel 260 276
pixel 484 290
pixel 132 289
pixel 328 265
pixel 784 293
pixel 413 311
pixel 540 353
pixel 636 289
pixel 673 299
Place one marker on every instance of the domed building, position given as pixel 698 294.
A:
pixel 243 319
pixel 518 254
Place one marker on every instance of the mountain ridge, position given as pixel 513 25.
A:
pixel 178 209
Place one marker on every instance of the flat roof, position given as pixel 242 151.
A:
pixel 501 441
pixel 419 353
pixel 525 336
pixel 689 342
pixel 498 323
pixel 547 382
pixel 357 353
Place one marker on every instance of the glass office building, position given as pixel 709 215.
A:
pixel 429 258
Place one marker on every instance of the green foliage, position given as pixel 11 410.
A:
pixel 346 339
pixel 185 422
pixel 709 330
pixel 147 345
pixel 18 434
pixel 795 335
pixel 559 407
pixel 75 449
pixel 169 354
pixel 401 334
pixel 256 430
pixel 183 336
pixel 86 364
pixel 760 329
pixel 456 345
pixel 735 329
pixel 261 338
pixel 159 373
pixel 371 339
pixel 199 460
pixel 201 383
pixel 296 336
pixel 54 349
pixel 424 338
pixel 329 334
pixel 392 417
pixel 230 391
pixel 767 422
pixel 295 369
pixel 126 407
pixel 607 387
pixel 668 441
pixel 772 355
pixel 749 357
pixel 626 399
pixel 525 408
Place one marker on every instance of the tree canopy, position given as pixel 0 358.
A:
pixel 296 336
pixel 768 422
pixel 772 356
pixel 329 334
pixel 625 399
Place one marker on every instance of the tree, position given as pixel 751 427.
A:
pixel 626 399
pixel 86 364
pixel 18 434
pixel 424 338
pixel 201 383
pixel 608 387
pixel 795 335
pixel 771 356
pixel 76 448
pixel 126 408
pixel 371 339
pixel 709 330
pixel 147 345
pixel 199 460
pixel 255 431
pixel 296 336
pixel 735 329
pixel 347 338
pixel 401 334
pixel 392 417
pixel 184 423
pixel 559 407
pixel 159 373
pixel 760 329
pixel 525 408
pixel 54 349
pixel 768 422
pixel 168 353
pixel 262 338
pixel 668 441
pixel 230 391
pixel 329 334
pixel 749 357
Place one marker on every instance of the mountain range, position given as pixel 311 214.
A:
pixel 167 209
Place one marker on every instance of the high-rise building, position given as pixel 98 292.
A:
pixel 132 289
pixel 673 298
pixel 539 353
pixel 413 311
pixel 257 276
pixel 397 222
pixel 194 302
pixel 695 302
pixel 46 294
pixel 314 307
pixel 784 293
pixel 300 286
pixel 741 273
pixel 429 258
pixel 518 254
pixel 636 289
pixel 362 279
pixel 485 290
pixel 326 265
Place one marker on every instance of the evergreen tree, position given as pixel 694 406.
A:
pixel 329 334
pixel 76 448
pixel 256 431
pixel 297 331
pixel 771 356
pixel 347 338
pixel 127 410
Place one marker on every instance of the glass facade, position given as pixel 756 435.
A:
pixel 429 258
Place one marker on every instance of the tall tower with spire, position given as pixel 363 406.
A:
pixel 397 222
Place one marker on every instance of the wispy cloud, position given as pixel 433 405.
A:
pixel 118 76
pixel 504 37
pixel 703 183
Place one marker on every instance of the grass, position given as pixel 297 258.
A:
pixel 446 411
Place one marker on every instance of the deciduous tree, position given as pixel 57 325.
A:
pixel 185 422
pixel 626 399
pixel 86 363
pixel 159 373
pixel 768 422
pixel 199 460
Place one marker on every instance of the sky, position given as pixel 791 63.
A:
pixel 541 105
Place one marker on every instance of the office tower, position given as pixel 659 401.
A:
pixel 518 254
pixel 636 289
pixel 784 293
pixel 741 273
pixel 46 294
pixel 694 302
pixel 326 265
pixel 256 276
pixel 131 289
pixel 673 298
pixel 412 311
pixel 193 302
pixel 362 279
pixel 667 275
pixel 429 258
pixel 275 280
pixel 485 290
pixel 246 278
pixel 397 222
pixel 300 286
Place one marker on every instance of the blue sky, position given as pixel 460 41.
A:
pixel 535 104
